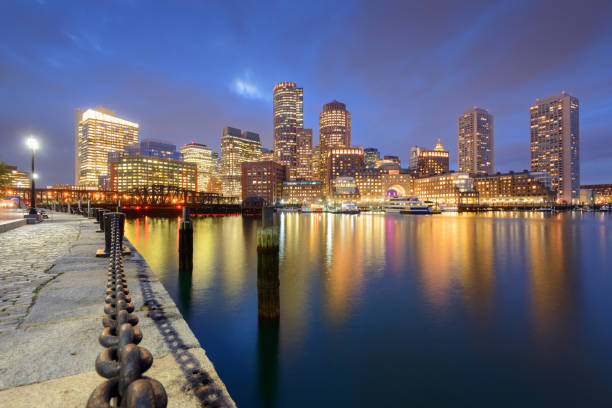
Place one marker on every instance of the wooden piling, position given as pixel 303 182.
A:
pixel 185 242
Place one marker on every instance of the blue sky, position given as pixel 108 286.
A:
pixel 186 69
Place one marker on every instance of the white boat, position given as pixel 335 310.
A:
pixel 287 209
pixel 449 208
pixel 605 207
pixel 407 205
pixel 545 209
pixel 349 208
pixel 306 209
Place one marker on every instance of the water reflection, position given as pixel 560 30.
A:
pixel 487 299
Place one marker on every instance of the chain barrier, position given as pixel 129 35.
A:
pixel 122 362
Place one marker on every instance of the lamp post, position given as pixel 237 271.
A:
pixel 32 145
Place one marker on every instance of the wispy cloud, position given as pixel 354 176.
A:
pixel 246 88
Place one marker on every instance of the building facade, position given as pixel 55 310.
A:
pixel 475 141
pixel 447 189
pixel 302 191
pixel 263 179
pixel 426 163
pixel 342 162
pixel 288 110
pixel 334 132
pixel 371 156
pixel 236 148
pixel 555 143
pixel 602 193
pixel 526 188
pixel 206 162
pixel 99 132
pixel 131 172
pixel 304 154
pixel 370 184
pixel 18 179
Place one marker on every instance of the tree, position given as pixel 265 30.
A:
pixel 5 180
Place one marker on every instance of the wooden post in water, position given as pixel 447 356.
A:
pixel 185 242
pixel 268 282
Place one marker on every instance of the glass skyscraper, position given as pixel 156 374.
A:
pixel 288 110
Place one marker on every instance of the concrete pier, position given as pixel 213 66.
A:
pixel 51 310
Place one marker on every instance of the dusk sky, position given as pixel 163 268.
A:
pixel 184 70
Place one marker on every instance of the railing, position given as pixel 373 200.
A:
pixel 122 362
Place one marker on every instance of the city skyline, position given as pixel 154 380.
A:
pixel 47 74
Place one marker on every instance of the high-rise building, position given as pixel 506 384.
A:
pixel 371 156
pixel 425 163
pixel 267 154
pixel 263 179
pixel 150 148
pixel 206 162
pixel 99 132
pixel 288 110
pixel 343 162
pixel 555 143
pixel 475 140
pixel 18 179
pixel 334 132
pixel 317 172
pixel 304 154
pixel 236 148
pixel 134 171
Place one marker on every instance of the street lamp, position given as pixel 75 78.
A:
pixel 32 145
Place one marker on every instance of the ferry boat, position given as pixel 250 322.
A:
pixel 449 208
pixel 349 208
pixel 545 209
pixel 313 208
pixel 407 205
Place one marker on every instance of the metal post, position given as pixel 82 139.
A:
pixel 33 192
pixel 186 242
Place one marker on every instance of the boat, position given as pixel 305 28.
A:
pixel 407 205
pixel 449 208
pixel 349 208
pixel 605 207
pixel 545 209
pixel 286 209
pixel 306 209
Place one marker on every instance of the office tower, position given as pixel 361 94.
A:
pixel 555 143
pixel 18 179
pixel 267 154
pixel 150 148
pixel 371 156
pixel 263 179
pixel 317 173
pixel 205 160
pixel 288 107
pixel 134 171
pixel 343 162
pixel 236 148
pixel 334 132
pixel 99 132
pixel 475 139
pixel 304 154
pixel 425 163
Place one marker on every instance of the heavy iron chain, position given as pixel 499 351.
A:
pixel 123 362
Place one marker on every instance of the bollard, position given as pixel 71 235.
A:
pixel 89 213
pixel 101 219
pixel 68 208
pixel 267 216
pixel 112 234
pixel 186 242
pixel 268 282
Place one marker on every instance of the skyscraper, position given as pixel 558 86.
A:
pixel 288 118
pixel 304 154
pixel 236 148
pixel 205 160
pixel 99 132
pixel 475 141
pixel 555 143
pixel 334 132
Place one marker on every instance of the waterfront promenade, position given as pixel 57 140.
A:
pixel 51 308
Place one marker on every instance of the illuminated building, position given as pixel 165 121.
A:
pixel 150 148
pixel 514 188
pixel 371 156
pixel 206 162
pixel 267 154
pixel 263 179
pixel 302 191
pixel 316 163
pixel 19 179
pixel 396 184
pixel 602 193
pixel 450 188
pixel 369 183
pixel 342 162
pixel 425 163
pixel 134 171
pixel 304 154
pixel 99 132
pixel 288 110
pixel 334 132
pixel 555 139
pixel 390 162
pixel 475 140
pixel 236 148
pixel 344 188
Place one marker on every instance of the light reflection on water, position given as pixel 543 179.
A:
pixel 499 309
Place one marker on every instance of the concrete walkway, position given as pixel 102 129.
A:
pixel 47 352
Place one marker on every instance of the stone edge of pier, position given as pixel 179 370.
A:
pixel 49 359
pixel 12 224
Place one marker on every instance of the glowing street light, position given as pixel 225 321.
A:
pixel 33 145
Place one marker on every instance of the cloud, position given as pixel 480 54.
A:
pixel 247 89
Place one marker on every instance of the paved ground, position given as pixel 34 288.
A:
pixel 27 255
pixel 53 298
